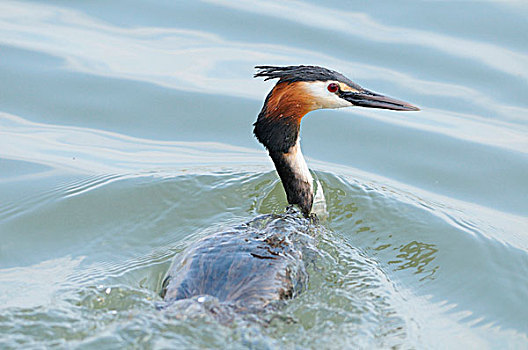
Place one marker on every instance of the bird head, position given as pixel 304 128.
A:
pixel 320 88
pixel 302 89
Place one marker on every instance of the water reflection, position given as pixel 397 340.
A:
pixel 36 285
pixel 363 26
pixel 205 62
pixel 90 220
pixel 417 256
pixel 100 152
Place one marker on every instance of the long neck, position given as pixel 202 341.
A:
pixel 295 177
pixel 277 128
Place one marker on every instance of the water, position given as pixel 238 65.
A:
pixel 125 135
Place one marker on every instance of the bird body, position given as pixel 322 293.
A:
pixel 248 266
pixel 260 262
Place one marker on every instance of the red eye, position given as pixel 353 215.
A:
pixel 333 87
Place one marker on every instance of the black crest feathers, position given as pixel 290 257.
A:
pixel 293 74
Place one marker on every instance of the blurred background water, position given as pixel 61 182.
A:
pixel 126 135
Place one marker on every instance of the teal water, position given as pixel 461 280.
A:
pixel 126 135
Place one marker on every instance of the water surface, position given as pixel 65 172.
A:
pixel 125 135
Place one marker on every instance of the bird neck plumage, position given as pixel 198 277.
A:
pixel 295 176
pixel 277 128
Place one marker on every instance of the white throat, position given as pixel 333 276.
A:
pixel 296 161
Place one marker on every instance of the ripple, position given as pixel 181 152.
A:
pixel 356 295
pixel 36 285
pixel 91 47
pixel 362 25
pixel 95 151
pixel 90 219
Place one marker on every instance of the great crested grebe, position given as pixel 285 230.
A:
pixel 254 264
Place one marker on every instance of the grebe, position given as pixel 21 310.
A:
pixel 257 263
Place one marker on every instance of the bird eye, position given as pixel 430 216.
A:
pixel 333 87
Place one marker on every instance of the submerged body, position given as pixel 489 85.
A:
pixel 258 263
pixel 247 267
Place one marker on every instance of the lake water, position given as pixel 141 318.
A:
pixel 126 135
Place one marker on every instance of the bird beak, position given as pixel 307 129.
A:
pixel 365 98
